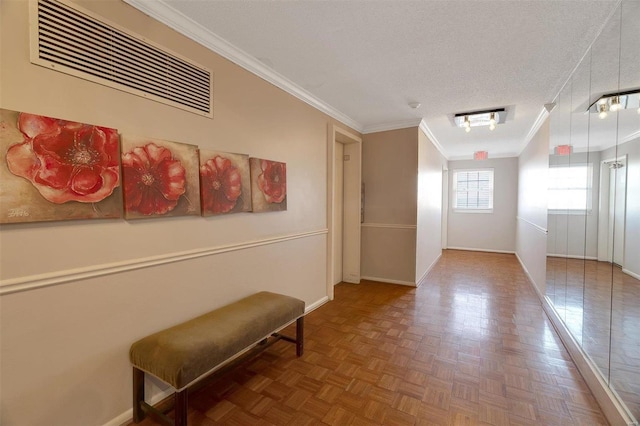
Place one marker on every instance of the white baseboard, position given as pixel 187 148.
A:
pixel 633 274
pixel 127 417
pixel 530 278
pixel 481 249
pixel 316 305
pixel 572 256
pixel 424 276
pixel 611 407
pixel 390 281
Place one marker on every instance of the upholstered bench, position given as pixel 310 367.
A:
pixel 186 353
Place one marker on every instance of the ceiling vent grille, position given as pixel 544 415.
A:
pixel 71 40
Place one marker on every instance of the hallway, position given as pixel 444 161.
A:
pixel 471 346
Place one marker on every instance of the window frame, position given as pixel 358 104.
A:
pixel 454 191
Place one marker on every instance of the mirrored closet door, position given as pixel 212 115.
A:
pixel 593 262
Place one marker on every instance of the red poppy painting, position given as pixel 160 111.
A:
pixel 54 169
pixel 225 185
pixel 268 185
pixel 160 178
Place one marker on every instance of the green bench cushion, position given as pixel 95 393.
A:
pixel 181 354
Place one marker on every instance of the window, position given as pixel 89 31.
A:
pixel 570 188
pixel 473 190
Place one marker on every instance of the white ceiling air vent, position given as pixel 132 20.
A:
pixel 72 40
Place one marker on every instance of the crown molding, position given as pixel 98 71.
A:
pixel 491 156
pixel 395 125
pixel 630 137
pixel 427 131
pixel 544 113
pixel 175 20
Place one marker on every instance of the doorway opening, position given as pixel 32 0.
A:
pixel 612 210
pixel 445 207
pixel 344 195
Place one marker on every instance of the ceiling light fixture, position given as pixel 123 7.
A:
pixel 615 102
pixel 466 124
pixel 490 118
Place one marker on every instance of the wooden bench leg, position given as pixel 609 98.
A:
pixel 138 395
pixel 300 336
pixel 181 408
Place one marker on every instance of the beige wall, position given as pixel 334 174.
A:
pixel 429 209
pixel 390 175
pixel 77 294
pixel 495 231
pixel 390 167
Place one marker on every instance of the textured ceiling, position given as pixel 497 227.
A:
pixel 369 59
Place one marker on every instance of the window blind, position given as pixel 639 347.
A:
pixel 473 189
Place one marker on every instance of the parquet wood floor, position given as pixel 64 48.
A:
pixel 471 346
pixel 584 293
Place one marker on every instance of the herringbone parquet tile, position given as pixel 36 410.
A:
pixel 471 346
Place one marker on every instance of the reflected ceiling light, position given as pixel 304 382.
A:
pixel 603 111
pixel 491 118
pixel 615 102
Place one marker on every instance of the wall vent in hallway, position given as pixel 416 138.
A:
pixel 71 40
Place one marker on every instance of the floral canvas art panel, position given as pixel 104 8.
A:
pixel 225 183
pixel 268 185
pixel 54 169
pixel 160 178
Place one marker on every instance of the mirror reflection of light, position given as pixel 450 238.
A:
pixel 573 318
pixel 548 339
pixel 471 313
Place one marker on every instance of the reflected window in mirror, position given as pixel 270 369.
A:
pixel 570 189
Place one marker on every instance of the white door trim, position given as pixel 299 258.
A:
pixel 351 222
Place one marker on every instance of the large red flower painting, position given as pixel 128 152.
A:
pixel 160 178
pixel 224 183
pixel 65 161
pixel 268 185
